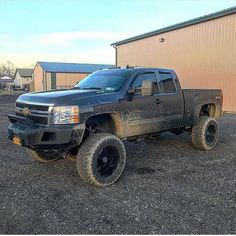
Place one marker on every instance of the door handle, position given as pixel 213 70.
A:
pixel 158 101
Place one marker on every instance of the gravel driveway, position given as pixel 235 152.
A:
pixel 167 187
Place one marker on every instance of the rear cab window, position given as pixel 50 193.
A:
pixel 166 82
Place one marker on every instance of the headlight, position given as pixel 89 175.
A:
pixel 65 115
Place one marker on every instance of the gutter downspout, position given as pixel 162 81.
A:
pixel 43 80
pixel 46 80
pixel 114 46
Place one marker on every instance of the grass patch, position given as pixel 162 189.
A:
pixel 11 92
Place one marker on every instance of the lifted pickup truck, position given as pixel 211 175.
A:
pixel 90 121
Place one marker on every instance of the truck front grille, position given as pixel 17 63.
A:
pixel 40 120
pixel 36 119
pixel 32 106
pixel 38 113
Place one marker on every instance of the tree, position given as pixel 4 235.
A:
pixel 7 69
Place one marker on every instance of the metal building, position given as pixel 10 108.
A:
pixel 58 75
pixel 202 51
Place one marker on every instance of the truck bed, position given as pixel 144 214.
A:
pixel 194 99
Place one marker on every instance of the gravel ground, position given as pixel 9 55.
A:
pixel 167 187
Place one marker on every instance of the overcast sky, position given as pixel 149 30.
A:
pixel 82 31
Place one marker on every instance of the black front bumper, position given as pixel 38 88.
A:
pixel 34 136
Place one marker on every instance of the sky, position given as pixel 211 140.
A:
pixel 81 31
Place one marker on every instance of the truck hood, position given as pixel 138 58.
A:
pixel 57 97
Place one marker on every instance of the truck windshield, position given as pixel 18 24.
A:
pixel 107 81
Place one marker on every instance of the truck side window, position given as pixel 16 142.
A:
pixel 146 76
pixel 167 82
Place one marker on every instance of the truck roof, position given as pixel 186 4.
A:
pixel 138 68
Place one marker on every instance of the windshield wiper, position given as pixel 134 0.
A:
pixel 93 88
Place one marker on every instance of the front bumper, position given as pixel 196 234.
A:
pixel 34 136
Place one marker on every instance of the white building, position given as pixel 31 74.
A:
pixel 6 82
pixel 23 77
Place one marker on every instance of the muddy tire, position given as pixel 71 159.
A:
pixel 43 156
pixel 72 154
pixel 153 137
pixel 71 157
pixel 205 133
pixel 101 159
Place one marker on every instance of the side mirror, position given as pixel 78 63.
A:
pixel 147 88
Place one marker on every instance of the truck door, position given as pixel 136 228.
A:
pixel 144 113
pixel 171 98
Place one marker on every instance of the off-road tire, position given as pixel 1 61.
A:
pixel 89 159
pixel 72 154
pixel 205 133
pixel 42 156
pixel 71 157
pixel 153 137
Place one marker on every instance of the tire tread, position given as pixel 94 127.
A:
pixel 85 157
pixel 198 133
pixel 37 156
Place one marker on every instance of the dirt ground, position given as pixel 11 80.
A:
pixel 167 187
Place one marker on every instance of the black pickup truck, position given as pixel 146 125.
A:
pixel 90 121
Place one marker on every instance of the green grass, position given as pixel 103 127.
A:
pixel 12 92
pixel 6 92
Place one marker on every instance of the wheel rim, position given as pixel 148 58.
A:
pixel 107 161
pixel 210 134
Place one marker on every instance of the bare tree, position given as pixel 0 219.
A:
pixel 7 69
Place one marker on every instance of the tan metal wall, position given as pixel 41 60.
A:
pixel 203 55
pixel 64 80
pixel 38 78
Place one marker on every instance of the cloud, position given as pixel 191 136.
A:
pixel 6 40
pixel 25 50
pixel 102 54
pixel 66 38
pixel 57 39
